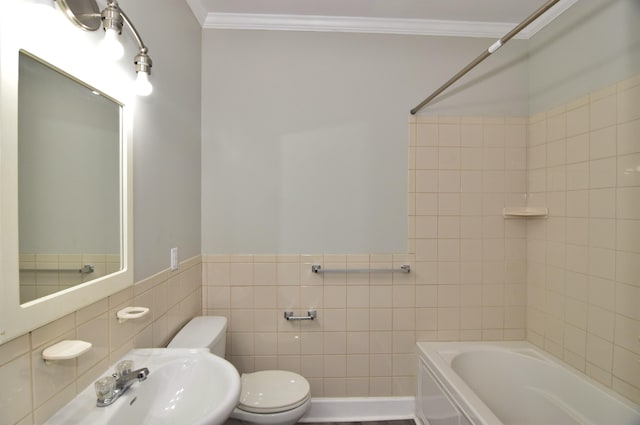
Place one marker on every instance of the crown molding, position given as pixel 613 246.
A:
pixel 316 23
pixel 355 25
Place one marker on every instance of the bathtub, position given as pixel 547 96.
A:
pixel 510 383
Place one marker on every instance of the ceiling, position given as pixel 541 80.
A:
pixel 426 17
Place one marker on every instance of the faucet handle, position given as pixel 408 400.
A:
pixel 123 368
pixel 105 387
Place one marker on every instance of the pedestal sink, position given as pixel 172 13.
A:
pixel 184 386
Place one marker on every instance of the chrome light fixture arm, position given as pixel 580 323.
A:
pixel 114 15
pixel 84 14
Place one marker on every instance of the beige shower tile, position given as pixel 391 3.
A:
pixel 628 203
pixel 241 273
pixel 628 170
pixel 471 158
pixel 312 367
pixel 493 134
pixel 515 135
pixel 448 158
pixel 577 176
pixel 358 365
pixel 577 148
pixel 426 158
pixel 49 379
pixel 53 330
pixel 599 374
pixel 602 293
pixel 601 323
pixel 602 233
pixel 626 366
pixel 575 340
pixel 95 331
pixel 335 365
pixel 47 409
pixel 577 120
pixel 471 318
pixel 404 319
pixel 537 134
pixel 14 348
pixel 556 125
pixel 602 111
pixel 427 134
pixel 628 141
pixel 217 272
pixel 627 299
pixel 266 344
pixel 602 142
pixel 358 342
pixel 626 333
pixel 15 394
pixel 629 104
pixel 426 181
pixel 449 133
pixel 265 273
pixel 632 392
pixel 242 297
pixel 471 134
pixel 358 319
pixel 537 157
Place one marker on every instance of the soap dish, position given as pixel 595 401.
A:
pixel 65 350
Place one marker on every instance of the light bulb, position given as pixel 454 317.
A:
pixel 143 85
pixel 111 46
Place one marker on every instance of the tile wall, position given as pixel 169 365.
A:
pixel 467 280
pixel 584 260
pixel 32 391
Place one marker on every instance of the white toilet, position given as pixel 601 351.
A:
pixel 269 397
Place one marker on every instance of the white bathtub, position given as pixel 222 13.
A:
pixel 510 383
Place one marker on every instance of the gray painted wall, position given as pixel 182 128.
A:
pixel 594 44
pixel 305 134
pixel 167 136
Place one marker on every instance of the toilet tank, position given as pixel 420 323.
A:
pixel 203 332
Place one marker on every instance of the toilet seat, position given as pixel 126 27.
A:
pixel 272 391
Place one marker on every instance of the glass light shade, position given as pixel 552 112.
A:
pixel 111 46
pixel 143 85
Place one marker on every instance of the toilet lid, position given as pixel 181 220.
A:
pixel 270 391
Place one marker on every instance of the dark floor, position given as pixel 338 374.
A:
pixel 400 422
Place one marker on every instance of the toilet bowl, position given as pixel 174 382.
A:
pixel 268 397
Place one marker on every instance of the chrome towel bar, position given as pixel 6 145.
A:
pixel 311 315
pixel 405 268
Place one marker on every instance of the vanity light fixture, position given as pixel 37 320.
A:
pixel 86 14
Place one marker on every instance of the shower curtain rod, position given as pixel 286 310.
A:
pixel 486 53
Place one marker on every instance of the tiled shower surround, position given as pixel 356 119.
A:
pixel 584 260
pixel 568 283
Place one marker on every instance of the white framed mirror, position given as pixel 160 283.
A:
pixel 69 206
pixel 40 36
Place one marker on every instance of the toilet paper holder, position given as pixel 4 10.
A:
pixel 311 315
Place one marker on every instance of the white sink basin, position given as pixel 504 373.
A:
pixel 184 386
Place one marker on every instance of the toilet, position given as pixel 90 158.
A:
pixel 268 397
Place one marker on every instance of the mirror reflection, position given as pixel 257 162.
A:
pixel 69 195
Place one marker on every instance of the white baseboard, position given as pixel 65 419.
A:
pixel 352 409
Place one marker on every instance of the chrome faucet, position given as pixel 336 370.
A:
pixel 109 388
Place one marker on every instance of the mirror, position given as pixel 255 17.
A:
pixel 66 54
pixel 68 181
